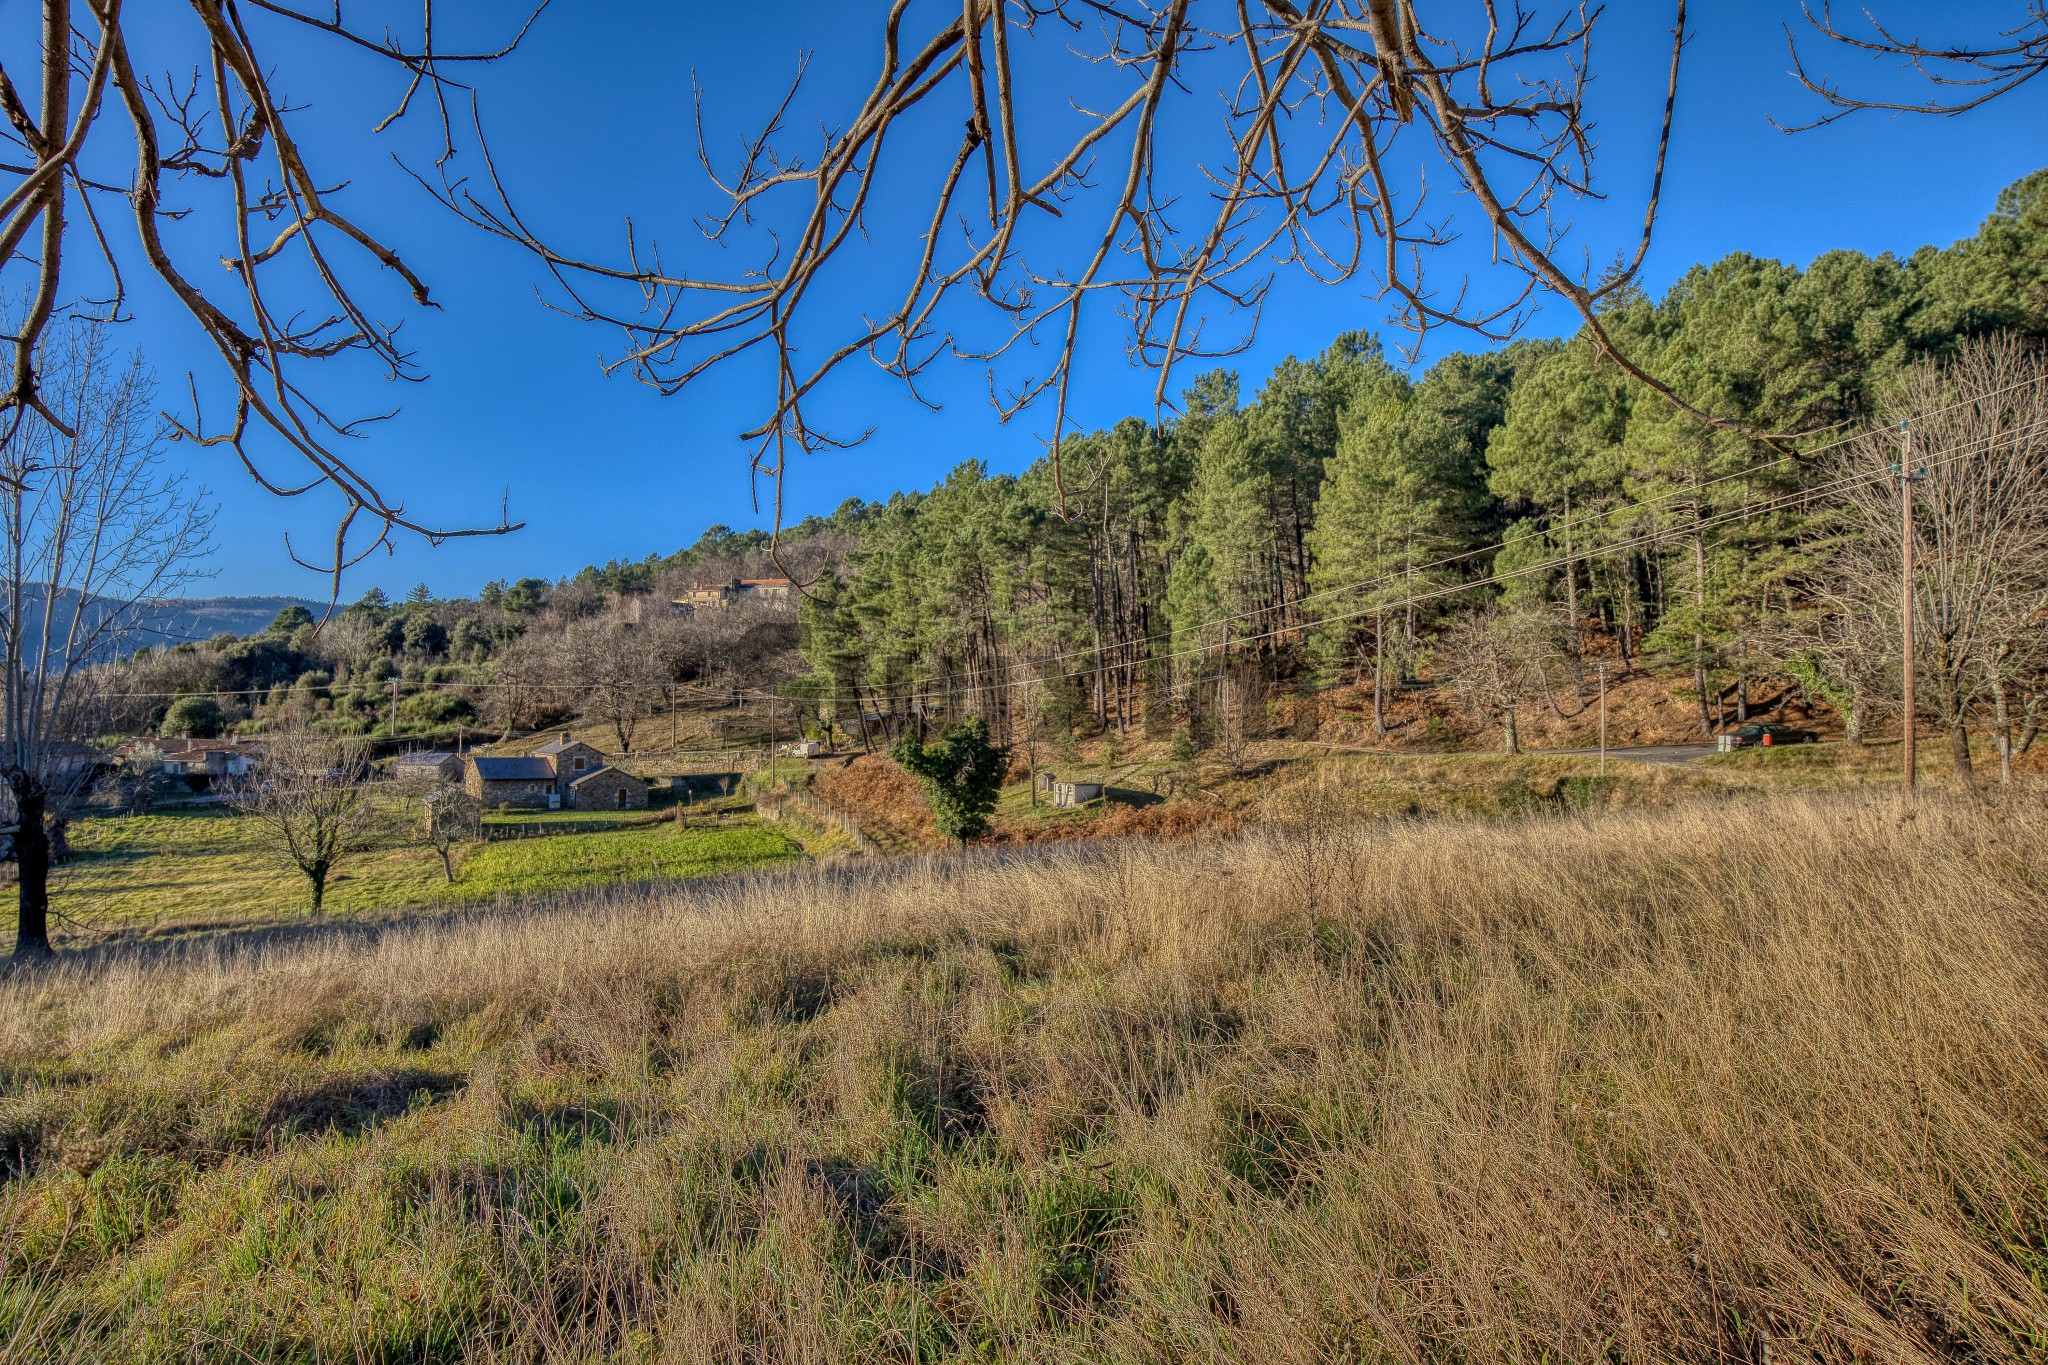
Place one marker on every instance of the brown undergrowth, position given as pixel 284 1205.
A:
pixel 1723 1083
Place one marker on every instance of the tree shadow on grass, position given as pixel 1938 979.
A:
pixel 351 1104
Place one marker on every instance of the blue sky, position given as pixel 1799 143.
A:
pixel 592 121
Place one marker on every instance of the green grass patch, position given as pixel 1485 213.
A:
pixel 658 853
pixel 201 866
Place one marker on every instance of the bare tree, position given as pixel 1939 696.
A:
pixel 1962 76
pixel 1243 703
pixel 1494 662
pixel 519 679
pixel 1332 118
pixel 112 132
pixel 137 780
pixel 308 808
pixel 1979 428
pixel 99 529
pixel 613 671
pixel 450 817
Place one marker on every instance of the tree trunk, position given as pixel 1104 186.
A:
pixel 32 861
pixel 1379 679
pixel 2001 728
pixel 1959 749
pixel 1511 736
pixel 316 878
pixel 448 864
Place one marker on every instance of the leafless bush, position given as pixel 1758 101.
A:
pixel 1317 832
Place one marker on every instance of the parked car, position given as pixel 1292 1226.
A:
pixel 1759 736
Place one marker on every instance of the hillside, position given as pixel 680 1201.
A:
pixel 1728 1081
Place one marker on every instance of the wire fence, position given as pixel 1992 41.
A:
pixel 776 806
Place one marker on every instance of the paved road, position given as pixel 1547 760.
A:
pixel 1644 753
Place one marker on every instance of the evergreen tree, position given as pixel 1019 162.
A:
pixel 962 775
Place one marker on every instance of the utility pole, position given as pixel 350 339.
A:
pixel 1907 476
pixel 673 742
pixel 1601 669
pixel 394 708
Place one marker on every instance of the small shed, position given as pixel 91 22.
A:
pixel 608 789
pixel 426 768
pixel 1076 793
pixel 1044 782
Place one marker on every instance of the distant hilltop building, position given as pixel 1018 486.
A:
pixel 777 590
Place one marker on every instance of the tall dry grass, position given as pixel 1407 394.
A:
pixel 1740 1083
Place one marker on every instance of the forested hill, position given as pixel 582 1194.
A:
pixel 1303 530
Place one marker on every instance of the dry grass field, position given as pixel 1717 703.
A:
pixel 1739 1080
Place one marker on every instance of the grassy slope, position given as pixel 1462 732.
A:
pixel 1558 1089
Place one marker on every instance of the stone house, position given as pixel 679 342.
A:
pixel 204 762
pixel 571 757
pixel 607 789
pixel 702 596
pixel 525 783
pixel 564 772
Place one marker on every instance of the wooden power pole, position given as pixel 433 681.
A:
pixel 1907 477
pixel 1601 669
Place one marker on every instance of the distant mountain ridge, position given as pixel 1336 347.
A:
pixel 168 621
pixel 178 620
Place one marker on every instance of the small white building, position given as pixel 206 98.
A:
pixel 1076 793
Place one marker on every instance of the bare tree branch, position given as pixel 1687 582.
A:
pixel 235 146
pixel 1337 115
pixel 1962 76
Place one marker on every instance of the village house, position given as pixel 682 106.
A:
pixel 607 789
pixel 200 762
pixel 775 590
pixel 522 783
pixel 571 756
pixel 562 773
